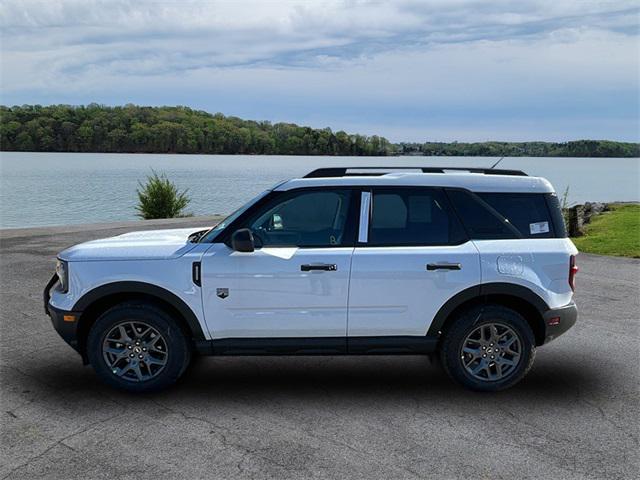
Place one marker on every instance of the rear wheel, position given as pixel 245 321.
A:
pixel 488 348
pixel 138 347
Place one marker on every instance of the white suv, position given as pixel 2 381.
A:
pixel 472 264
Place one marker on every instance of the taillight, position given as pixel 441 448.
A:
pixel 573 269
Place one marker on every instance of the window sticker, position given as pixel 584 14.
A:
pixel 539 227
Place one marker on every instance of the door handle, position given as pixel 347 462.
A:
pixel 444 266
pixel 327 267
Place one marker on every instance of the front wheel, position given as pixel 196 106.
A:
pixel 488 348
pixel 138 348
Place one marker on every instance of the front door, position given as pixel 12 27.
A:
pixel 295 284
pixel 412 257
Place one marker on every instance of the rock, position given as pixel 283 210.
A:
pixel 575 220
pixel 593 208
pixel 580 215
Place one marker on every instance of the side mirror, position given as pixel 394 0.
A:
pixel 242 240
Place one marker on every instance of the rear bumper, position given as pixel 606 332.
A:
pixel 559 320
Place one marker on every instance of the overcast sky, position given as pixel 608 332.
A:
pixel 409 70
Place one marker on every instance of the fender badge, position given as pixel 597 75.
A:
pixel 222 292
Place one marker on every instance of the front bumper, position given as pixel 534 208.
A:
pixel 64 322
pixel 559 320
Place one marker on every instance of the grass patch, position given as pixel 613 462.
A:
pixel 616 232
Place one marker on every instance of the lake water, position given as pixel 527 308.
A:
pixel 38 189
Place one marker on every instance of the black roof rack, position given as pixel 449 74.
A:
pixel 369 171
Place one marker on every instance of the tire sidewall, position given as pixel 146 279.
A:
pixel 465 324
pixel 177 346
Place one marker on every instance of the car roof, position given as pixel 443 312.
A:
pixel 476 182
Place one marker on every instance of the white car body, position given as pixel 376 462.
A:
pixel 373 292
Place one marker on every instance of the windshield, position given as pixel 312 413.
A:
pixel 213 233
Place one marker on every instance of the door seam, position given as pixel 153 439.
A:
pixel 346 333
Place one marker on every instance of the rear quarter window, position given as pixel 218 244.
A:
pixel 490 216
pixel 528 212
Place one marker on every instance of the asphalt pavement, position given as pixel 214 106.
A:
pixel 576 415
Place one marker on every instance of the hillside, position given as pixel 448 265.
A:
pixel 137 129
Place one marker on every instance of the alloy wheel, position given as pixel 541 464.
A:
pixel 135 351
pixel 491 352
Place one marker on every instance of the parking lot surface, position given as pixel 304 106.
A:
pixel 575 415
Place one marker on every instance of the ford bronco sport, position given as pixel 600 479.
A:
pixel 473 265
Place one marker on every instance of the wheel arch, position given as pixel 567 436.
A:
pixel 521 299
pixel 97 301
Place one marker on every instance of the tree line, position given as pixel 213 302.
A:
pixel 578 148
pixel 136 129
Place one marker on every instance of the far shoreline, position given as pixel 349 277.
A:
pixel 178 129
pixel 319 155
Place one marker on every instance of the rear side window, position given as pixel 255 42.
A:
pixel 507 215
pixel 413 216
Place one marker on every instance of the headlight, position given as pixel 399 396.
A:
pixel 62 270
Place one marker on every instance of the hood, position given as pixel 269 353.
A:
pixel 146 245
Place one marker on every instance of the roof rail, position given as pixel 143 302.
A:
pixel 369 171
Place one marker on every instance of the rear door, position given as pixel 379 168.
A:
pixel 411 257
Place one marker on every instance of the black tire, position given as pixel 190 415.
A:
pixel 168 336
pixel 456 337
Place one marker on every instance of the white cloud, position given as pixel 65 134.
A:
pixel 409 62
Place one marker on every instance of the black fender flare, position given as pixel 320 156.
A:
pixel 480 291
pixel 131 287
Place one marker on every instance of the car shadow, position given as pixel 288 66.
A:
pixel 261 378
pixel 414 376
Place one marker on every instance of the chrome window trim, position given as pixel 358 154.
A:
pixel 365 214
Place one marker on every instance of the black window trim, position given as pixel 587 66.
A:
pixel 351 220
pixel 449 206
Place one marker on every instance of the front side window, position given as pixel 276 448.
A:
pixel 312 218
pixel 412 216
pixel 211 235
